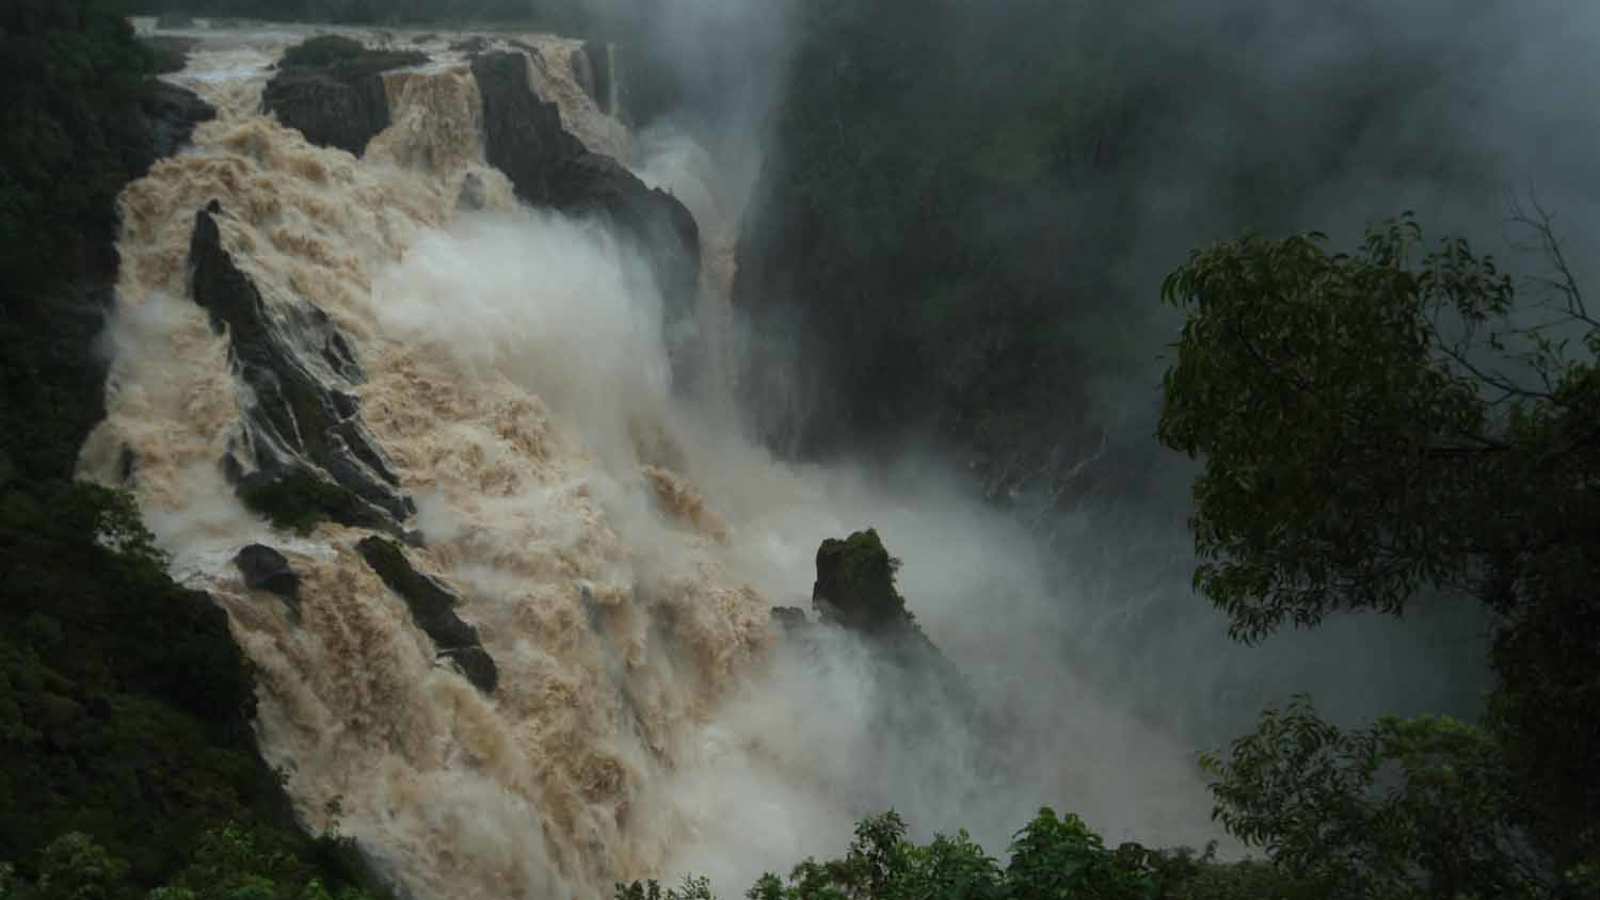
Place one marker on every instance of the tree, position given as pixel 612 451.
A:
pixel 1416 808
pixel 1052 858
pixel 1394 421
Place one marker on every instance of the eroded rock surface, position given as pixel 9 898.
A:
pixel 432 608
pixel 309 455
pixel 265 569
pixel 331 90
pixel 548 166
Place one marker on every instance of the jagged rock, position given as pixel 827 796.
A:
pixel 789 618
pixel 548 166
pixel 313 457
pixel 475 44
pixel 855 590
pixel 265 569
pixel 331 90
pixel 433 610
pixel 855 584
pixel 476 665
pixel 329 111
pixel 172 113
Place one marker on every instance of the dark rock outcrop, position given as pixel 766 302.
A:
pixel 330 111
pixel 173 113
pixel 855 584
pixel 331 90
pixel 789 618
pixel 548 166
pixel 265 569
pixel 855 590
pixel 433 610
pixel 313 457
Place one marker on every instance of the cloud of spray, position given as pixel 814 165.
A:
pixel 1249 114
pixel 1365 110
pixel 821 733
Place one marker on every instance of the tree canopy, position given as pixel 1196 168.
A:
pixel 1394 422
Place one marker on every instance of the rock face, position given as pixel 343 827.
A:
pixel 331 90
pixel 433 610
pixel 173 114
pixel 855 589
pixel 265 569
pixel 330 111
pixel 312 454
pixel 548 166
pixel 855 584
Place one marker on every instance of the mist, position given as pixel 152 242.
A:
pixel 821 733
pixel 1213 119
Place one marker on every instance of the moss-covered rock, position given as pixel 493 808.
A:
pixel 855 584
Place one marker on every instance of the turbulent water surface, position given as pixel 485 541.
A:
pixel 615 541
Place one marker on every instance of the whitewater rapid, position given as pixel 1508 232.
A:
pixel 616 544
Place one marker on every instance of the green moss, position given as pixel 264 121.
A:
pixel 347 57
pixel 855 577
pixel 298 500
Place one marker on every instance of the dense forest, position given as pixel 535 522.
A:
pixel 934 236
pixel 127 761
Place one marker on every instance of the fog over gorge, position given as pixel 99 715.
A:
pixel 519 379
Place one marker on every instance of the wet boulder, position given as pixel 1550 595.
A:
pixel 330 89
pixel 265 569
pixel 432 608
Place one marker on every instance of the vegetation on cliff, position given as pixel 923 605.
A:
pixel 1375 425
pixel 127 760
pixel 1053 857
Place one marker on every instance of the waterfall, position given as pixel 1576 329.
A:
pixel 614 544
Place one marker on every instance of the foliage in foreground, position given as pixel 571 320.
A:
pixel 1052 857
pixel 1377 426
pixel 127 761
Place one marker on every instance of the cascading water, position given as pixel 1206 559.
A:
pixel 616 545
